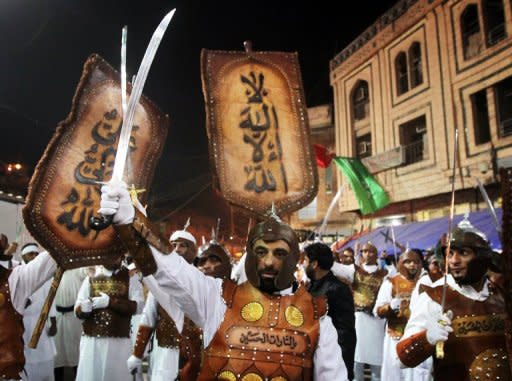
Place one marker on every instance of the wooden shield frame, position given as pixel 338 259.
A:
pixel 64 190
pixel 258 130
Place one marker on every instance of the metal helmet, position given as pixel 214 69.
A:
pixel 466 235
pixel 410 254
pixel 273 230
pixel 215 249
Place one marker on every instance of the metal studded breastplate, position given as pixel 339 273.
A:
pixel 264 337
pixel 476 349
pixel 166 332
pixel 106 322
pixel 366 286
pixel 402 288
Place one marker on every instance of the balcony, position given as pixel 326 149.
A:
pixel 414 152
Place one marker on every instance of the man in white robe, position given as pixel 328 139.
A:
pixel 201 297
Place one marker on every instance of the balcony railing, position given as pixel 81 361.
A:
pixel 414 152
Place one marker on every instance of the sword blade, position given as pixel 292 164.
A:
pixel 450 220
pixel 124 105
pixel 142 74
pixel 490 207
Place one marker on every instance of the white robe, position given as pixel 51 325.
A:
pixel 39 360
pixel 69 327
pixel 164 362
pixel 27 278
pixel 391 370
pixel 200 298
pixel 369 329
pixel 104 358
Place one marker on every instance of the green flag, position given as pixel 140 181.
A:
pixel 370 195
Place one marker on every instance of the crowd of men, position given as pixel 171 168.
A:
pixel 284 312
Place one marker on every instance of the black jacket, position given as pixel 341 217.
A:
pixel 341 311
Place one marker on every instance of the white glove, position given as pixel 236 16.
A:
pixel 134 364
pixel 86 306
pixel 439 327
pixel 100 301
pixel 395 304
pixel 115 199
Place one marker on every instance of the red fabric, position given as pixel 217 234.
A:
pixel 323 156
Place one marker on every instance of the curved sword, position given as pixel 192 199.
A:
pixel 126 128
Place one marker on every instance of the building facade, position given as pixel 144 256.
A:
pixel 424 69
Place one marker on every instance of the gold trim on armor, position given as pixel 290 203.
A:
pixel 252 311
pixel 294 316
pixel 110 287
pixel 278 378
pixel 482 325
pixel 226 375
pixel 491 364
pixel 252 377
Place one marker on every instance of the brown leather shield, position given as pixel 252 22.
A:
pixel 258 129
pixel 64 191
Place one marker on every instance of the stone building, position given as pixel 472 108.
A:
pixel 401 88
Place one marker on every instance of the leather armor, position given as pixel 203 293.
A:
pixel 264 337
pixel 366 286
pixel 12 358
pixel 115 320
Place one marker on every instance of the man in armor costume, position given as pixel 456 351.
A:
pixel 318 262
pixel 172 333
pixel 213 260
pixel 16 285
pixel 471 326
pixel 105 303
pixel 38 361
pixel 366 280
pixel 261 329
pixel 393 305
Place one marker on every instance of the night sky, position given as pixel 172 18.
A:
pixel 44 43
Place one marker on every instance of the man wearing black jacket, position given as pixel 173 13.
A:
pixel 318 261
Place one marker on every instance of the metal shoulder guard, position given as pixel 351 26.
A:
pixel 414 349
pixel 136 237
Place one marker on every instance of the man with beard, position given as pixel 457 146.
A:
pixel 261 329
pixel 172 331
pixel 366 280
pixel 346 257
pixel 393 305
pixel 105 303
pixel 318 261
pixel 213 260
pixel 472 328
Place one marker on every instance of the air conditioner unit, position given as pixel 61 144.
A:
pixel 364 147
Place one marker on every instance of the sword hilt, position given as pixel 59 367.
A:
pixel 100 223
pixel 440 350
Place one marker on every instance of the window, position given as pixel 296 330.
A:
pixel 470 29
pixel 415 64
pixel 360 101
pixel 413 138
pixel 402 82
pixel 364 146
pixel 480 108
pixel 503 94
pixel 494 18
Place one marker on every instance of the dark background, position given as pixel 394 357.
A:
pixel 44 43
